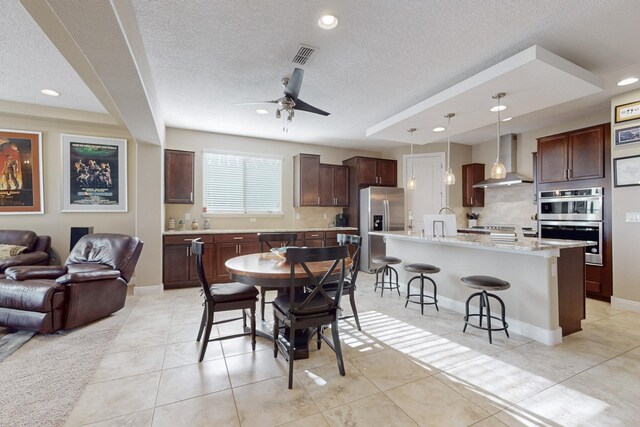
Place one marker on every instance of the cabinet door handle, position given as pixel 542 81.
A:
pixel 568 173
pixel 318 200
pixel 237 238
pixel 187 251
pixel 191 196
pixel 315 235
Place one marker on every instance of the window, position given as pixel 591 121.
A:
pixel 242 183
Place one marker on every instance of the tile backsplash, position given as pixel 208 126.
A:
pixel 512 205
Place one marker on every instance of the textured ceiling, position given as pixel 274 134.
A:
pixel 383 58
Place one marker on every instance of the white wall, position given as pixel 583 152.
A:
pixel 181 139
pixel 53 222
pixel 626 235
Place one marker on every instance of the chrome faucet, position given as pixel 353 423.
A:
pixel 410 221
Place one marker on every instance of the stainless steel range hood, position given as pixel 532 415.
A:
pixel 508 157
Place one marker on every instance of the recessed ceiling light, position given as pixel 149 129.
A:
pixel 262 111
pixel 507 119
pixel 498 108
pixel 629 81
pixel 439 129
pixel 328 22
pixel 50 92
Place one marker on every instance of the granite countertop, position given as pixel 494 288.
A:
pixel 527 244
pixel 277 230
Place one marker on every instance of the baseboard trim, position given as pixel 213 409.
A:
pixel 625 304
pixel 544 336
pixel 148 290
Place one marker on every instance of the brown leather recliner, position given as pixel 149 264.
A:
pixel 37 252
pixel 91 285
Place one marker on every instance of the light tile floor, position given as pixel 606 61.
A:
pixel 403 369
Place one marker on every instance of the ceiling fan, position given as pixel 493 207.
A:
pixel 289 103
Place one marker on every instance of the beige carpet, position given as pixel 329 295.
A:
pixel 42 380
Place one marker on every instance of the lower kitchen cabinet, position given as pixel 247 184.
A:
pixel 227 246
pixel 179 264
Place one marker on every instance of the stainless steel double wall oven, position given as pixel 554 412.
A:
pixel 575 215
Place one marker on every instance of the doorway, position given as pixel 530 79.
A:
pixel 429 195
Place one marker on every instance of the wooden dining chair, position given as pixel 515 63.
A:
pixel 301 310
pixel 349 288
pixel 223 297
pixel 267 242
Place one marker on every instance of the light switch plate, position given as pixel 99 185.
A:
pixel 252 220
pixel 187 216
pixel 632 217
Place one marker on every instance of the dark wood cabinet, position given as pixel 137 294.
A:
pixel 472 174
pixel 318 184
pixel 571 156
pixel 306 182
pixel 334 185
pixel 227 246
pixel 365 172
pixel 178 176
pixel 179 266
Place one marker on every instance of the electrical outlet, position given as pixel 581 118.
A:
pixel 324 215
pixel 632 217
pixel 187 216
pixel 297 216
pixel 252 220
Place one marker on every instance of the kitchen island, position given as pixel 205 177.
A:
pixel 547 295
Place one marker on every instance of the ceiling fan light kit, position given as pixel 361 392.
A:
pixel 290 101
pixel 498 171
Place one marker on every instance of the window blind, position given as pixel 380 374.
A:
pixel 235 183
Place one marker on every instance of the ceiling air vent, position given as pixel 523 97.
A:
pixel 304 54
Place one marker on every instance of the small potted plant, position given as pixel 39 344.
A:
pixel 473 219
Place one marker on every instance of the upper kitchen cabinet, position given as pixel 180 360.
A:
pixel 306 180
pixel 572 156
pixel 318 184
pixel 178 176
pixel 334 185
pixel 370 171
pixel 472 174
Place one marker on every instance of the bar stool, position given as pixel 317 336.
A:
pixel 422 269
pixel 386 270
pixel 485 283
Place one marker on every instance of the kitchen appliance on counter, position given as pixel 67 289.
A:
pixel 341 220
pixel 574 215
pixel 381 209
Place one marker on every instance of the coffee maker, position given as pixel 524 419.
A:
pixel 341 220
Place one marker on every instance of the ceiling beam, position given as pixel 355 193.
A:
pixel 102 43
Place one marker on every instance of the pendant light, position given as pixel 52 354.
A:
pixel 498 171
pixel 411 182
pixel 449 177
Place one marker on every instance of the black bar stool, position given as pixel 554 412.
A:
pixel 386 270
pixel 485 283
pixel 422 269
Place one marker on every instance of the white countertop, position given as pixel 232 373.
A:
pixel 526 245
pixel 262 230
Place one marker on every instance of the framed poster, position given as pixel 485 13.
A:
pixel 626 171
pixel 625 112
pixel 21 172
pixel 628 135
pixel 94 174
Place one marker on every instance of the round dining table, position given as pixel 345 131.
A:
pixel 270 269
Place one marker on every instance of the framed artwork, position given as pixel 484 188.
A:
pixel 628 135
pixel 94 174
pixel 626 112
pixel 21 172
pixel 626 171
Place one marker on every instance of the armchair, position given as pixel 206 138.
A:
pixel 36 250
pixel 92 284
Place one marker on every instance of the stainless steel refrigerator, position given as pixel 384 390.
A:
pixel 381 209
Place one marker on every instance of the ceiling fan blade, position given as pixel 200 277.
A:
pixel 303 106
pixel 293 87
pixel 256 103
